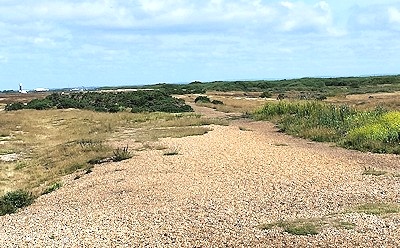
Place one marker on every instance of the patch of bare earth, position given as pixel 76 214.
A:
pixel 215 192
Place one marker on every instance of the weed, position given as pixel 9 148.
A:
pixel 12 201
pixel 121 154
pixel 241 128
pixel 89 169
pixel 73 167
pixel 345 225
pixel 372 172
pixel 20 165
pixel 99 160
pixel 171 152
pixel 52 188
pixel 296 227
pixel 281 144
pixel 377 208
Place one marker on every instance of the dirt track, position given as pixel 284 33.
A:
pixel 215 193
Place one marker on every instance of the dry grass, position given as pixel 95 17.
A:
pixel 234 102
pixel 54 143
pixel 369 101
pixel 17 97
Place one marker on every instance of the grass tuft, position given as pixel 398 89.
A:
pixel 52 188
pixel 377 208
pixel 121 154
pixel 372 172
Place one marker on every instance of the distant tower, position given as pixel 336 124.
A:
pixel 20 87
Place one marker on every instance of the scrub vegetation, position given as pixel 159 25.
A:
pixel 375 130
pixel 138 101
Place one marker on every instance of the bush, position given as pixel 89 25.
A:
pixel 139 101
pixel 12 201
pixel 14 106
pixel 202 99
pixel 217 102
pixel 266 94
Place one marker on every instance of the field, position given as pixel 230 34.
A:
pixel 39 147
pixel 213 177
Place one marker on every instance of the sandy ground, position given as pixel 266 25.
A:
pixel 215 193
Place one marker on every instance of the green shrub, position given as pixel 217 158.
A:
pixel 202 99
pixel 266 94
pixel 12 201
pixel 376 131
pixel 139 101
pixel 121 154
pixel 217 102
pixel 14 106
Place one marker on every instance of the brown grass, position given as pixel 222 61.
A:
pixel 54 143
pixel 369 101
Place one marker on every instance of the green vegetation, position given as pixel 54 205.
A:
pixel 138 101
pixel 297 227
pixel 202 99
pixel 266 94
pixel 52 188
pixel 321 86
pixel 12 201
pixel 372 172
pixel 375 130
pixel 121 154
pixel 313 226
pixel 377 209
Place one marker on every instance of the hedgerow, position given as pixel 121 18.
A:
pixel 139 101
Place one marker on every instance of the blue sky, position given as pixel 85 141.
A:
pixel 55 44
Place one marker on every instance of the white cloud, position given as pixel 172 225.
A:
pixel 394 15
pixel 381 17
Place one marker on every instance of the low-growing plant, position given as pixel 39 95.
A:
pixel 171 152
pixel 52 188
pixel 121 154
pixel 12 201
pixel 372 172
pixel 377 208
pixel 241 128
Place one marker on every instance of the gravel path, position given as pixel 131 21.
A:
pixel 215 193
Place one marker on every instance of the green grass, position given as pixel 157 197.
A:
pixel 372 172
pixel 373 130
pixel 377 208
pixel 52 188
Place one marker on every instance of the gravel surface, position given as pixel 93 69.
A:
pixel 215 193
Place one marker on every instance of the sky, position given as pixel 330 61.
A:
pixel 60 43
